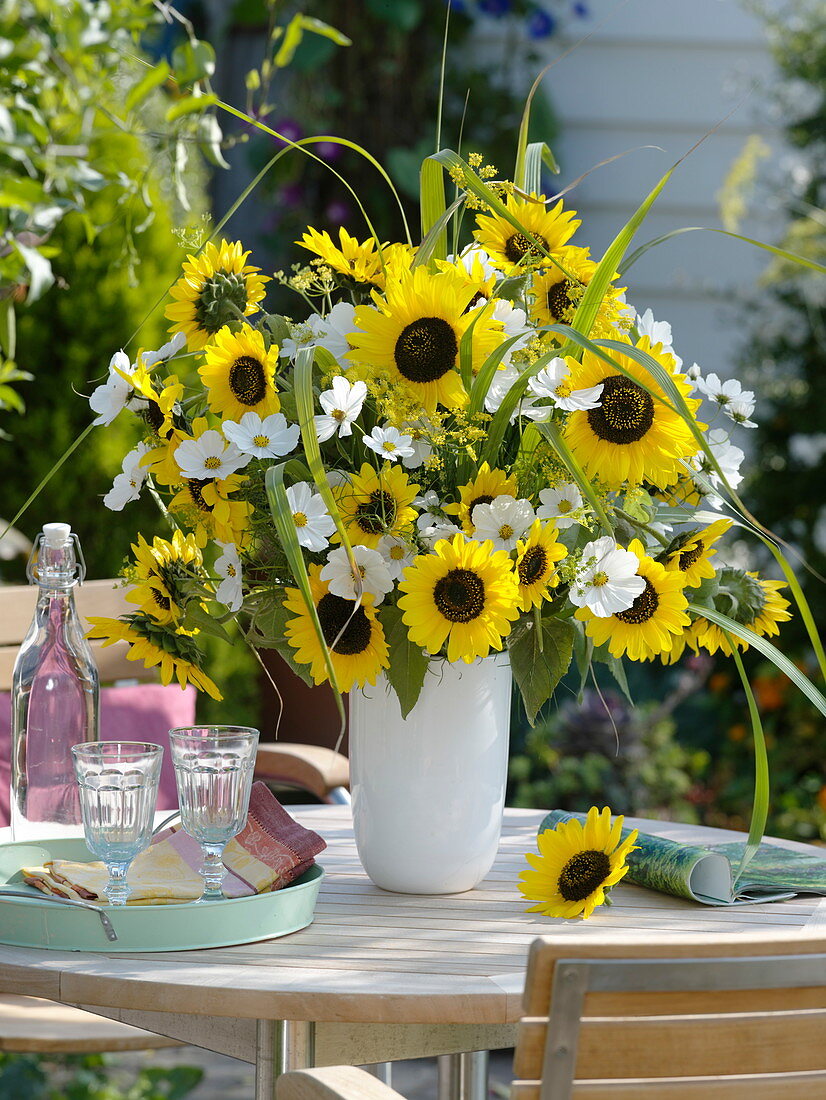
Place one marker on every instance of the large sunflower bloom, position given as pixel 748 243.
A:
pixel 484 488
pixel 204 505
pixel 239 373
pixel 536 558
pixel 692 556
pixel 376 503
pixel 651 623
pixel 155 644
pixel 635 434
pixel 161 570
pixel 558 290
pixel 462 595
pixel 764 607
pixel 357 261
pixel 217 286
pixel 358 656
pixel 512 249
pixel 412 337
pixel 156 408
pixel 577 865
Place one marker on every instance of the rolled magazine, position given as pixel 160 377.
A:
pixel 707 873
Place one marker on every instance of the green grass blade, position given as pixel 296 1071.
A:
pixel 537 154
pixel 552 433
pixel 764 646
pixel 760 804
pixel 481 384
pixel 435 240
pixel 433 206
pixel 782 253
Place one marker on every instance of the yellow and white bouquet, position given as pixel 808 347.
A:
pixel 465 443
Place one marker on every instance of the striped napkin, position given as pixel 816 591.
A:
pixel 270 852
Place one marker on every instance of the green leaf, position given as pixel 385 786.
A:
pixel 193 61
pixel 8 328
pixel 408 663
pixel 539 660
pixel 290 42
pixel 267 630
pixel 433 205
pixel 156 76
pixel 41 276
pixel 318 26
pixel 189 105
pixel 760 805
pixel 197 617
pixel 793 257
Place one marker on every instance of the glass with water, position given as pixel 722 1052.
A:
pixel 118 784
pixel 213 771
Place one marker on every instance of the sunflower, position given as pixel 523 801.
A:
pixel 411 339
pixel 558 290
pixel 358 656
pixel 204 505
pixel 577 865
pixel 162 571
pixel 461 594
pixel 649 625
pixel 759 606
pixel 536 558
pixel 239 373
pixel 357 261
pixel 635 434
pixel 513 249
pixel 485 487
pixel 692 555
pixel 155 407
pixel 376 503
pixel 156 644
pixel 217 287
pixel 481 285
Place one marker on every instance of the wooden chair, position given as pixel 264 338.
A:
pixel 32 1025
pixel 719 1018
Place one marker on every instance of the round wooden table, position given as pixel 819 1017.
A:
pixel 378 976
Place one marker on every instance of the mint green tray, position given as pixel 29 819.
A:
pixel 29 919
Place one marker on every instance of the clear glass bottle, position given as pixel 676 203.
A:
pixel 55 694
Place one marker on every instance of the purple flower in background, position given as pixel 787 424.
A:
pixel 495 8
pixel 292 195
pixel 338 212
pixel 580 10
pixel 289 128
pixel 327 150
pixel 541 24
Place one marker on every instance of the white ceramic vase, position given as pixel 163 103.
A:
pixel 429 790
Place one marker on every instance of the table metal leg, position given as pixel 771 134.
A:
pixel 280 1046
pixel 463 1076
pixel 382 1070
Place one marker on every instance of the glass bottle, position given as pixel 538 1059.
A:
pixel 55 694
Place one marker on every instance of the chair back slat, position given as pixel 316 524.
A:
pixel 694 1026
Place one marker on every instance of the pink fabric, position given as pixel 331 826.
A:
pixel 140 712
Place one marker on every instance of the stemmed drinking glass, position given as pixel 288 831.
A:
pixel 118 783
pixel 213 772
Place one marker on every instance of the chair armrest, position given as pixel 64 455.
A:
pixel 333 1083
pixel 311 767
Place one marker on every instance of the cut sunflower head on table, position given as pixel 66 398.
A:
pixel 577 865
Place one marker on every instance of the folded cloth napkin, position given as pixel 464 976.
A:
pixel 270 852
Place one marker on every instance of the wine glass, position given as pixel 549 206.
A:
pixel 213 772
pixel 118 784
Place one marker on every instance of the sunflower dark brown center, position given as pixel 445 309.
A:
pixel 426 349
pixel 220 300
pixel 559 299
pixel 163 602
pixel 643 607
pixel 335 615
pixel 460 595
pixel 247 380
pixel 153 416
pixel 582 874
pixel 626 413
pixel 196 492
pixel 485 498
pixel 377 513
pixel 689 557
pixel 519 247
pixel 533 565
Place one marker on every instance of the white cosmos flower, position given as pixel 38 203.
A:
pixel 342 405
pixel 740 410
pixel 209 456
pixel 372 569
pixel 421 448
pixel 724 392
pixel 397 554
pixel 389 443
pixel 432 528
pixel 129 482
pixel 694 374
pixel 728 457
pixel 172 347
pixel 228 567
pixel 606 580
pixel 557 504
pixel 554 381
pixel 514 323
pixel 270 437
pixel 504 521
pixel 313 523
pixel 658 332
pixel 108 399
pixel 501 382
pixel 334 334
pixel 302 335
pixel 473 254
pixel 428 499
